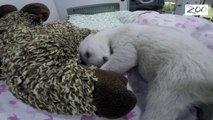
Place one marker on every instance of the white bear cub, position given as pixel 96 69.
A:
pixel 178 69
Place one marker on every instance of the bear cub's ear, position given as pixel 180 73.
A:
pixel 5 9
pixel 38 9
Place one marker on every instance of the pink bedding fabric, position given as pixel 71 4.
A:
pixel 199 28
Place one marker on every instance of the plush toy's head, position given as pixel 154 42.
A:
pixel 42 67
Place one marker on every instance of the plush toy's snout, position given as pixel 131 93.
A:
pixel 111 96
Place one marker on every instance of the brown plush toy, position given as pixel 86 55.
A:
pixel 41 66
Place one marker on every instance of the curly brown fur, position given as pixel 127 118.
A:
pixel 40 64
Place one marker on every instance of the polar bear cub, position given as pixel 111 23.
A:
pixel 178 69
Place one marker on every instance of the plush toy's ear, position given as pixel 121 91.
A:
pixel 38 9
pixel 5 9
pixel 111 96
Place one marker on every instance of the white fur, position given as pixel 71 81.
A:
pixel 178 69
pixel 96 57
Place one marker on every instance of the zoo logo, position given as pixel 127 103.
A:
pixel 191 9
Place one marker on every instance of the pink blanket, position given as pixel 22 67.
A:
pixel 199 28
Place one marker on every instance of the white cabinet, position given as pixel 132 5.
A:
pixel 63 5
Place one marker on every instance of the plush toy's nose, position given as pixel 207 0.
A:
pixel 111 97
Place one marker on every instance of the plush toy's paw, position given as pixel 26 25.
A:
pixel 111 97
pixel 5 9
pixel 38 9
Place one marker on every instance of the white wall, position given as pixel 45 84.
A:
pixel 210 2
pixel 49 3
